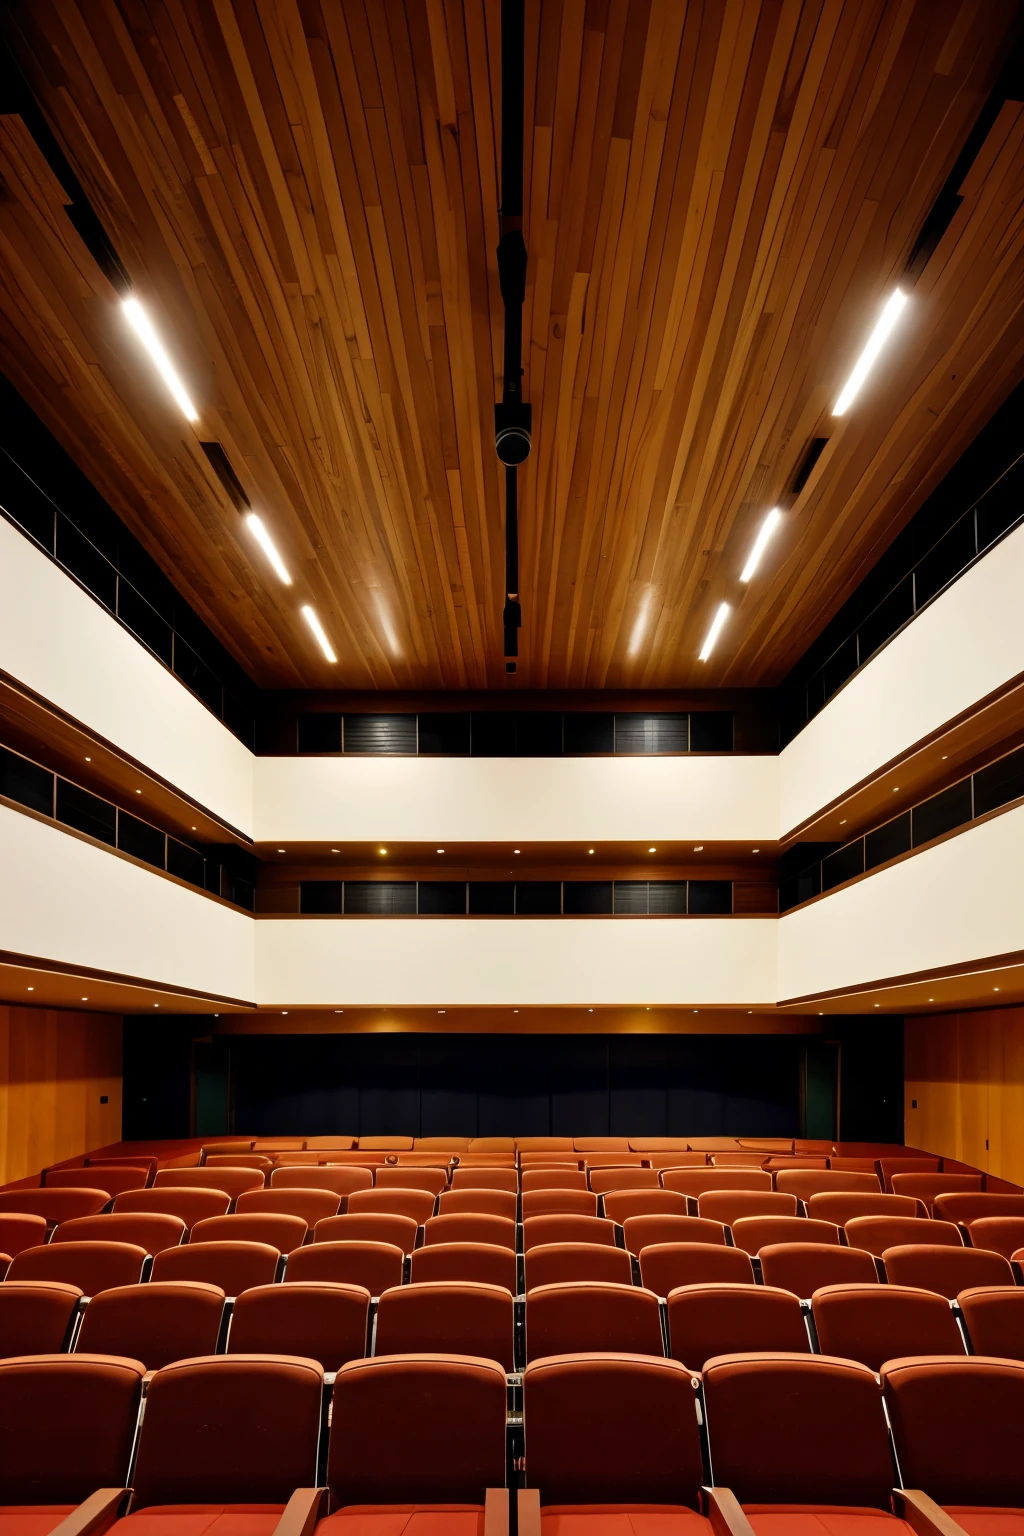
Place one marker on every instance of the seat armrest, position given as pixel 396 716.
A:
pixel 923 1515
pixel 529 1512
pixel 496 1512
pixel 725 1513
pixel 300 1515
pixel 95 1514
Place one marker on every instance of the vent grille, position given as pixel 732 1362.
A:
pixel 652 733
pixel 381 735
pixel 221 466
pixel 815 448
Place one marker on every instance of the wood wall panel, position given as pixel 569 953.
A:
pixel 718 198
pixel 54 1068
pixel 966 1071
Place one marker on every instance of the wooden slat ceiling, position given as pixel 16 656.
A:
pixel 719 197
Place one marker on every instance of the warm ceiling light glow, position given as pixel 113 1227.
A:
pixel 143 328
pixel 85 999
pixel 699 848
pixel 88 759
pixel 515 850
pixel 590 850
pixel 282 850
pixel 876 341
pixel 755 850
pixel 440 850
pixel 652 850
pixel 713 633
pixel 318 630
pixel 383 850
pixel 258 529
pixel 636 638
pixel 138 791
pixel 31 989
pixel 760 544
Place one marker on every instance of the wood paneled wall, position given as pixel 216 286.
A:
pixel 966 1073
pixel 55 1067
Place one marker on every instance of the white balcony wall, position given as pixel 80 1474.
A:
pixel 63 899
pixel 59 642
pixel 960 649
pixel 515 961
pixel 499 799
pixel 954 904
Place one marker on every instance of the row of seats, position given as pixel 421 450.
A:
pixel 332 1323
pixel 420 1444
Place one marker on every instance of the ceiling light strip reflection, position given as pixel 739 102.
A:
pixel 713 633
pixel 143 328
pixel 876 341
pixel 318 630
pixel 258 529
pixel 765 532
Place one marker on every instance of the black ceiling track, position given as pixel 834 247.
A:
pixel 512 418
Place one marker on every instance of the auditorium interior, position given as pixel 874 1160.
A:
pixel 542 483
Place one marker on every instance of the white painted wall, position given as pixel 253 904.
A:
pixel 515 961
pixel 500 799
pixel 966 644
pixel 67 900
pixel 59 642
pixel 957 902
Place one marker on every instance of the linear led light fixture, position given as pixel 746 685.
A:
pixel 143 328
pixel 713 633
pixel 765 532
pixel 258 529
pixel 318 630
pixel 876 341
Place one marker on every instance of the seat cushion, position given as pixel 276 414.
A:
pixel 822 1520
pixel 622 1520
pixel 404 1520
pixel 987 1522
pixel 200 1520
pixel 31 1519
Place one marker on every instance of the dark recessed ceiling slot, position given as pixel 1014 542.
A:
pixel 814 451
pixel 221 465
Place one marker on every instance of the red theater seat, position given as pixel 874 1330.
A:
pixel 447 1317
pixel 238 1160
pixel 416 1433
pixel 154 1323
pixel 284 1233
pixel 500 1231
pixel 232 1266
pixel 54 1205
pixel 728 1205
pixel 311 1205
pixel 971 1206
pixel 226 1439
pixel 233 1181
pixel 478 1202
pixel 150 1231
pixel 67 1423
pixel 842 1208
pixel 877 1233
pixel 724 1319
pixel 801 1440
pixel 417 1203
pixel 994 1317
pixel 956 1427
pixel 633 1468
pixel 486 1178
pixel 559 1202
pixel 553 1178
pixel 999 1234
pixel 339 1181
pixel 314 1319
pixel 602 1180
pixel 189 1205
pixel 369 1227
pixel 540 1230
pixel 36 1316
pixel 483 1262
pixel 874 1323
pixel 945 1270
pixel 92 1266
pixel 664 1266
pixel 624 1204
pixel 753 1233
pixel 699 1181
pixel 804 1267
pixel 928 1186
pixel 330 1143
pixel 21 1231
pixel 590 1315
pixel 115 1179
pixel 890 1165
pixel 645 1231
pixel 430 1180
pixel 552 1263
pixel 372 1265
pixel 805 1182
